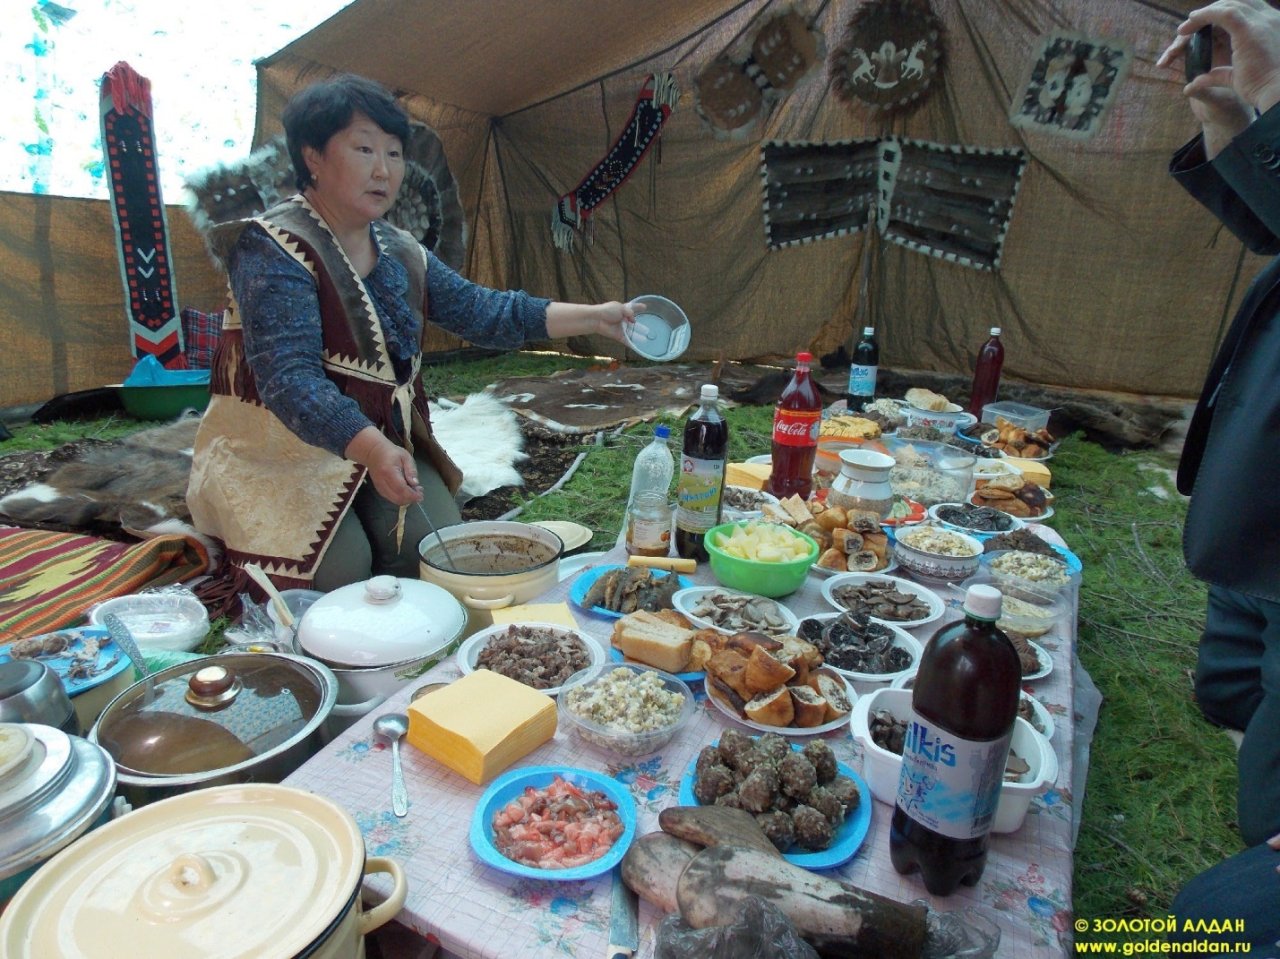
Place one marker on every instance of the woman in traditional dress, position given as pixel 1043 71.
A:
pixel 317 439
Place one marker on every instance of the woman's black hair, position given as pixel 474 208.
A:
pixel 315 114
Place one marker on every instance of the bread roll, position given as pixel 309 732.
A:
pixel 845 540
pixel 774 708
pixel 765 673
pixel 808 707
pixel 833 558
pixel 833 694
pixel 832 518
pixel 730 667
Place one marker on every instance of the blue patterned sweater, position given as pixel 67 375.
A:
pixel 280 313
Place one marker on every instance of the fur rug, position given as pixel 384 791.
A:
pixel 138 485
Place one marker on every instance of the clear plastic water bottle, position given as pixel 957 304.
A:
pixel 650 494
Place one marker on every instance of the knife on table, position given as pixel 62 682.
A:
pixel 624 934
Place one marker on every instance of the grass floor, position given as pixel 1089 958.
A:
pixel 1160 802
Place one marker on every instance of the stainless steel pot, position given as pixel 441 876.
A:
pixel 230 718
pixel 491 564
pixel 237 872
pixel 31 692
pixel 53 789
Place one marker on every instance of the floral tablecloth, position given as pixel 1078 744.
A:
pixel 474 910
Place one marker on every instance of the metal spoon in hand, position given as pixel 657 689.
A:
pixel 392 727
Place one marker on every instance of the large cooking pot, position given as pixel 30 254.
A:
pixel 53 789
pixel 230 718
pixel 237 872
pixel 491 564
pixel 380 634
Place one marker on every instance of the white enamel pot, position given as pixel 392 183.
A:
pixel 378 635
pixel 286 864
pixel 491 564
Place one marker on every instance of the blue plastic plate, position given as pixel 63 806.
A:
pixel 110 662
pixel 511 784
pixel 847 839
pixel 578 591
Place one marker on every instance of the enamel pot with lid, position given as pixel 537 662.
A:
pixel 380 634
pixel 491 564
pixel 237 872
pixel 53 789
pixel 230 718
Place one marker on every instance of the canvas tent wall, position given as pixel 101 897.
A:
pixel 1112 277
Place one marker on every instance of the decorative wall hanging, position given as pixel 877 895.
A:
pixel 142 232
pixel 730 94
pixel 653 106
pixel 1073 81
pixel 427 205
pixel 889 56
pixel 952 202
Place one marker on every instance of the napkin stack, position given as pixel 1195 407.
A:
pixel 481 724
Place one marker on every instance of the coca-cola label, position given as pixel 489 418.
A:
pixel 796 427
pixel 948 784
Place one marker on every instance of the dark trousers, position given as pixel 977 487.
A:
pixel 1238 686
pixel 1244 887
pixel 364 543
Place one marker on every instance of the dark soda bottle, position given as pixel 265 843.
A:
pixel 986 373
pixel 963 707
pixel 701 482
pixel 862 371
pixel 795 433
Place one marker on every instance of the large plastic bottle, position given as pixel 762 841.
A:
pixel 986 373
pixel 964 705
pixel 701 482
pixel 862 371
pixel 796 419
pixel 647 523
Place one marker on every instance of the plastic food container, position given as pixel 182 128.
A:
pixel 1029 576
pixel 1030 418
pixel 173 621
pixel 881 768
pixel 928 472
pixel 589 691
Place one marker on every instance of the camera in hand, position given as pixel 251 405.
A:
pixel 1199 55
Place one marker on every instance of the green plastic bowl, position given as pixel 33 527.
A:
pixel 163 402
pixel 754 576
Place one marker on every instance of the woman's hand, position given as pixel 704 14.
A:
pixel 578 319
pixel 391 468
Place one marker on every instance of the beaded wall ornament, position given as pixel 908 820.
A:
pixel 137 211
pixel 888 58
pixel 572 213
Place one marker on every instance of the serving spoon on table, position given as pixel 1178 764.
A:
pixel 392 727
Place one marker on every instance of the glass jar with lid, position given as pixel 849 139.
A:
pixel 649 525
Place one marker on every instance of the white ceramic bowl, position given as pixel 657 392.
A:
pixel 731 514
pixel 172 621
pixel 864 683
pixel 926 595
pixel 1014 522
pixel 881 768
pixel 937 565
pixel 685 599
pixel 470 650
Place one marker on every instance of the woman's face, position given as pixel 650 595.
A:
pixel 358 173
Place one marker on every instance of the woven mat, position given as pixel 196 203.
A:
pixel 48 580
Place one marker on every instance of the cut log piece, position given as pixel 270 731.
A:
pixel 652 866
pixel 716 826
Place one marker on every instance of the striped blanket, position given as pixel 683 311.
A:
pixel 48 580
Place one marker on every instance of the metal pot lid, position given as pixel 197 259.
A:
pixel 237 872
pixel 52 787
pixel 383 621
pixel 214 713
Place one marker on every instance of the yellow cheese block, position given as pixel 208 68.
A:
pixel 557 613
pixel 481 724
pixel 1033 471
pixel 750 475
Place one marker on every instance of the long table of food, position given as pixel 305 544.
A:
pixel 474 909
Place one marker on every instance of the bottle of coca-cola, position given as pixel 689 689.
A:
pixel 795 433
